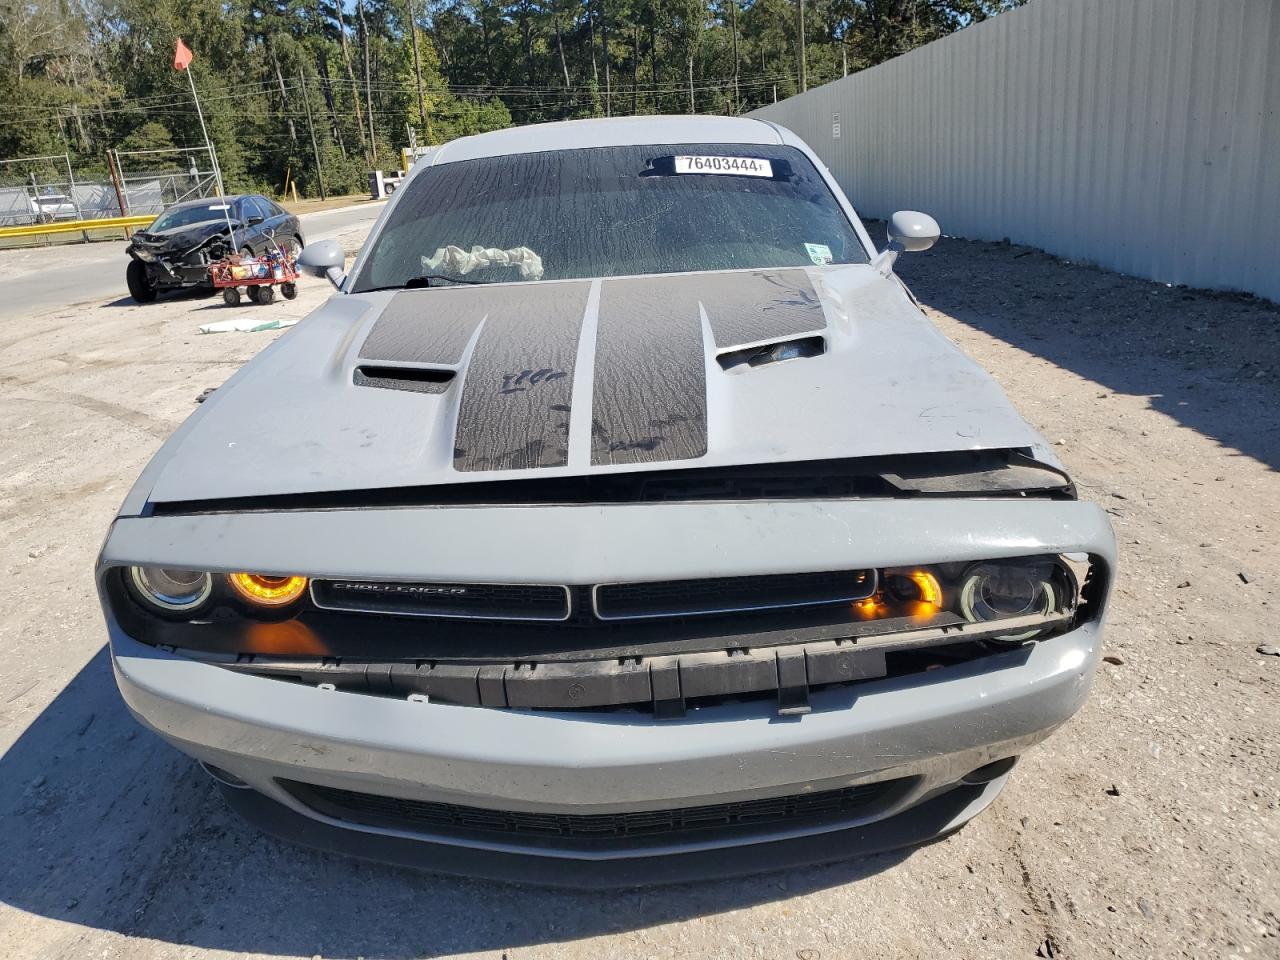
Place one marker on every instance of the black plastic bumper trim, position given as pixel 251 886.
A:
pixel 925 822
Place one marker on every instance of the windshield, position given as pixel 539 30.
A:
pixel 608 212
pixel 186 216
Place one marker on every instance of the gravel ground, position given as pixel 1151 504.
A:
pixel 1147 827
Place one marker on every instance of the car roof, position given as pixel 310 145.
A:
pixel 205 201
pixel 610 132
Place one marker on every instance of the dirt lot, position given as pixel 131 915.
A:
pixel 1148 827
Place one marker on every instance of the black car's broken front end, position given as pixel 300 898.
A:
pixel 172 261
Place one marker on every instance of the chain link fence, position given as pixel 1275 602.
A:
pixel 48 189
pixel 151 180
pixel 37 190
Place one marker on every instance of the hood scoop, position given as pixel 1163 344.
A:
pixel 414 379
pixel 764 354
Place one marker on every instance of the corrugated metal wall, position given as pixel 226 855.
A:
pixel 1143 135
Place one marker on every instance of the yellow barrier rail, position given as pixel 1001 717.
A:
pixel 74 226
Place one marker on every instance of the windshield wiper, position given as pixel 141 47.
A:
pixel 431 279
pixel 417 283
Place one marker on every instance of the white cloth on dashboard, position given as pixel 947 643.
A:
pixel 453 259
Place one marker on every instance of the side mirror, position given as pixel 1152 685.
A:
pixel 913 231
pixel 324 258
pixel 255 220
pixel 909 232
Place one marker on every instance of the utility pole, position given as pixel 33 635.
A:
pixel 315 149
pixel 351 77
pixel 604 50
pixel 417 65
pixel 368 95
pixel 692 108
pixel 113 165
pixel 737 95
pixel 844 55
pixel 804 70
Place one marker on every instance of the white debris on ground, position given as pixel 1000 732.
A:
pixel 246 324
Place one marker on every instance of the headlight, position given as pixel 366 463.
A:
pixel 1016 588
pixel 268 591
pixel 170 590
pixel 1037 592
pixel 995 591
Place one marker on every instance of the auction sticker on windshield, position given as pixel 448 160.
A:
pixel 734 166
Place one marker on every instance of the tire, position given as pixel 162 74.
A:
pixel 231 297
pixel 254 293
pixel 247 251
pixel 140 286
pixel 292 246
pixel 290 290
pixel 266 294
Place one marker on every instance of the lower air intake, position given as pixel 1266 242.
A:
pixel 418 816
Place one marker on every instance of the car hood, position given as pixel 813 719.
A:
pixel 179 239
pixel 504 381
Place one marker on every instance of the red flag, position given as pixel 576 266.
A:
pixel 182 56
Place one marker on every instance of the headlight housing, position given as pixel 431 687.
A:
pixel 268 591
pixel 194 594
pixel 1034 593
pixel 1005 589
pixel 171 590
pixel 995 591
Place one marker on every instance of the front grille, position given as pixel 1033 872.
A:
pixel 474 601
pixel 420 816
pixel 678 598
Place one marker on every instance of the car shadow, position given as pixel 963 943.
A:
pixel 106 826
pixel 1210 361
pixel 189 293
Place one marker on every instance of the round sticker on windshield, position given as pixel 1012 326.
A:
pixel 732 166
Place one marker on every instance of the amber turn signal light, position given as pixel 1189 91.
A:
pixel 267 591
pixel 927 584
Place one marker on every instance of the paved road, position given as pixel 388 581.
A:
pixel 38 280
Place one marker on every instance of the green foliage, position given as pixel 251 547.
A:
pixel 82 76
pixel 152 135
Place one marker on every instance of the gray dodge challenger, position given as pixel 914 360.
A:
pixel 619 519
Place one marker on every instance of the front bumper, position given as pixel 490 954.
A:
pixel 925 731
pixel 166 274
pixel 932 728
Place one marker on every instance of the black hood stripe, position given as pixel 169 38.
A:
pixel 758 306
pixel 648 400
pixel 516 392
pixel 650 397
pixel 426 326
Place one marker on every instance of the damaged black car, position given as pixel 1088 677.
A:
pixel 176 249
